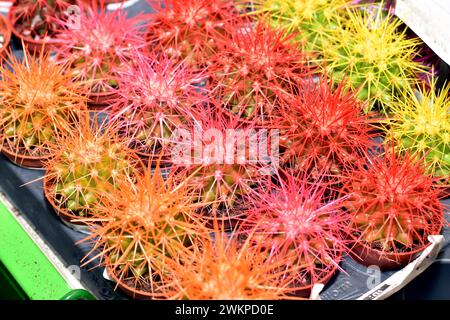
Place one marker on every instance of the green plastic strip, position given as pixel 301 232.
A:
pixel 78 294
pixel 27 264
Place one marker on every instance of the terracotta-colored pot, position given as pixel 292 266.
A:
pixel 100 101
pixel 29 162
pixel 33 46
pixel 131 292
pixel 7 29
pixel 305 292
pixel 153 160
pixel 63 213
pixel 368 256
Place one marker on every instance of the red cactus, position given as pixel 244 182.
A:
pixel 322 130
pixel 254 66
pixel 154 99
pixel 295 219
pixel 97 52
pixel 393 203
pixel 186 29
pixel 225 269
pixel 219 164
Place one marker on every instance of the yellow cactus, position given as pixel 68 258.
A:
pixel 311 19
pixel 372 50
pixel 421 124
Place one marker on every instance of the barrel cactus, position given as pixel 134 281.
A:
pixel 225 268
pixel 254 67
pixel 421 124
pixel 299 223
pixel 186 29
pixel 312 20
pixel 323 130
pixel 108 39
pixel 145 227
pixel 155 99
pixel 39 102
pixel 372 50
pixel 218 165
pixel 393 203
pixel 86 163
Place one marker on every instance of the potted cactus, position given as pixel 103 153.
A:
pixel 421 124
pixel 153 101
pixel 34 23
pixel 218 167
pixel 253 67
pixel 143 227
pixel 294 219
pixel 372 49
pixel 185 30
pixel 39 103
pixel 97 54
pixel 224 268
pixel 322 130
pixel 393 208
pixel 86 163
pixel 5 35
pixel 312 20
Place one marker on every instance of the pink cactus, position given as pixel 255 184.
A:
pixel 98 50
pixel 295 218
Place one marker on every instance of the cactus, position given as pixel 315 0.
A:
pixel 393 203
pixel 322 130
pixel 35 19
pixel 371 48
pixel 107 40
pixel 223 268
pixel 143 227
pixel 218 166
pixel 39 103
pixel 298 223
pixel 253 67
pixel 185 30
pixel 87 163
pixel 421 124
pixel 312 20
pixel 153 101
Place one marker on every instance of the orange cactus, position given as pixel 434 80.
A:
pixel 225 269
pixel 87 162
pixel 39 103
pixel 143 227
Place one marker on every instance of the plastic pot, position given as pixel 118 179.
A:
pixel 63 213
pixel 33 46
pixel 25 161
pixel 153 159
pixel 102 100
pixel 128 290
pixel 366 255
pixel 305 292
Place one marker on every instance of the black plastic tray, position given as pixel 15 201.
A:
pixel 28 199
